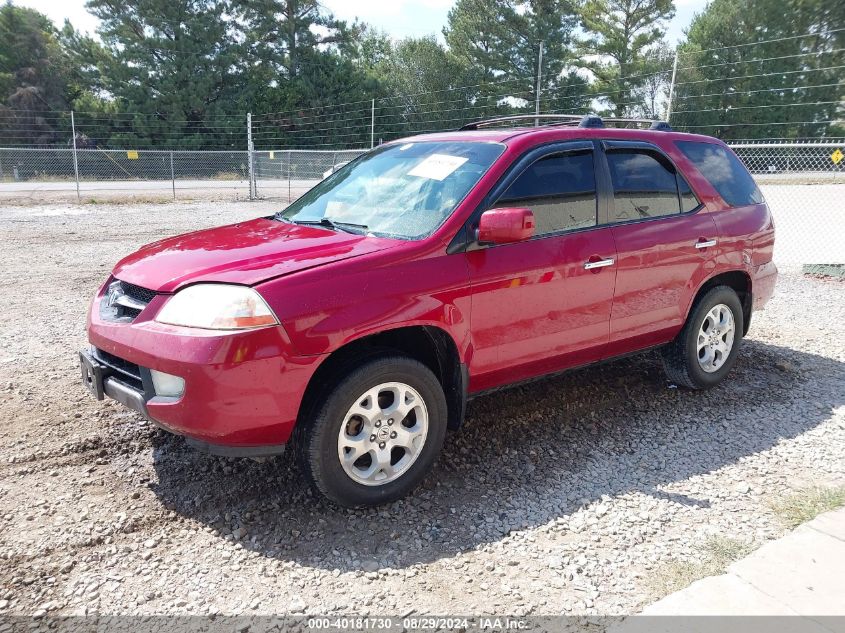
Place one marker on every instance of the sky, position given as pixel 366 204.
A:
pixel 398 18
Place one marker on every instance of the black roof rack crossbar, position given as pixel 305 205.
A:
pixel 581 120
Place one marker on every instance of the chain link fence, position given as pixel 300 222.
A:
pixel 804 185
pixel 287 174
pixel 803 182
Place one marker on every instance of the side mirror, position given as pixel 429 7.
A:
pixel 503 226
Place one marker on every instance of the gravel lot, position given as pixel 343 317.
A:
pixel 563 497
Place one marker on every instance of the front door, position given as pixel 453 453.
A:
pixel 544 304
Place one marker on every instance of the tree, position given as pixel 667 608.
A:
pixel 327 105
pixel 423 88
pixel 624 32
pixel 762 68
pixel 171 63
pixel 499 41
pixel 37 81
pixel 280 32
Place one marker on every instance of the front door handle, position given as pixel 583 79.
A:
pixel 599 264
pixel 705 243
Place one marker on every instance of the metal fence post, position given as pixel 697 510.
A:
pixel 672 87
pixel 537 91
pixel 373 125
pixel 75 161
pixel 289 176
pixel 172 175
pixel 249 149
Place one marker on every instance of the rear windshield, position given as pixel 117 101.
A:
pixel 724 171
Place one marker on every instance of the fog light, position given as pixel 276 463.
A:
pixel 167 385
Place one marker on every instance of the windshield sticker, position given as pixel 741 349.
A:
pixel 437 166
pixel 333 207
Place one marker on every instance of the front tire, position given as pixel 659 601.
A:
pixel 374 433
pixel 706 349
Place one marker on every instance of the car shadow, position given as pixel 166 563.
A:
pixel 525 457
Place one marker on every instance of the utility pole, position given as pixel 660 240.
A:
pixel 672 87
pixel 537 90
pixel 249 149
pixel 373 125
pixel 75 161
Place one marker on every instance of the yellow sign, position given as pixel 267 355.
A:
pixel 837 156
pixel 272 155
pixel 132 154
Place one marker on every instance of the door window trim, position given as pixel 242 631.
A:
pixel 464 239
pixel 610 145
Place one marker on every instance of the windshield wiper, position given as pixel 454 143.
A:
pixel 334 224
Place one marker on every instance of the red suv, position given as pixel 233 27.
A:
pixel 356 323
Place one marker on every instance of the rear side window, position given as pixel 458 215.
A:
pixel 724 171
pixel 559 189
pixel 644 185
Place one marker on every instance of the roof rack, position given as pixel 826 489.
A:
pixel 580 120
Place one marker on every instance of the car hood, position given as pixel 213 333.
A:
pixel 244 253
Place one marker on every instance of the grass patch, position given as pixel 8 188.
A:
pixel 716 554
pixel 807 504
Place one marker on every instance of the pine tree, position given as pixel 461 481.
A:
pixel 624 32
pixel 37 80
pixel 762 69
pixel 170 61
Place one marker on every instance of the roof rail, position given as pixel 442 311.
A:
pixel 563 119
pixel 581 120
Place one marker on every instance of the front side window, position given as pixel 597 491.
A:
pixel 560 190
pixel 403 190
pixel 688 200
pixel 644 185
pixel 724 171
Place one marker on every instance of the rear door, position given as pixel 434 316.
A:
pixel 665 240
pixel 543 304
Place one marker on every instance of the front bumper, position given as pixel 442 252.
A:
pixel 242 389
pixel 107 382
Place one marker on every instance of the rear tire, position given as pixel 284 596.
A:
pixel 706 349
pixel 374 433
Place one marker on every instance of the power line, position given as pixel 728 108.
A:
pixel 766 59
pixel 758 43
pixel 774 74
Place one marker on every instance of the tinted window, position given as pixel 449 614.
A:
pixel 644 185
pixel 724 171
pixel 688 199
pixel 560 190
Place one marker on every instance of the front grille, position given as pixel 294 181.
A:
pixel 129 373
pixel 114 305
pixel 137 292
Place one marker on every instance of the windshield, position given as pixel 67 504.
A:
pixel 403 191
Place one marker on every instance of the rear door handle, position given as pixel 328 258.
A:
pixel 705 243
pixel 599 264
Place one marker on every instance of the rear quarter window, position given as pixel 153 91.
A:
pixel 724 171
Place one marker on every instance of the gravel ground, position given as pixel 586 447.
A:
pixel 562 497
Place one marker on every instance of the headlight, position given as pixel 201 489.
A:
pixel 217 307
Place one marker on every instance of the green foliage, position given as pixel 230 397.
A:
pixel 623 33
pixel 172 61
pixel 499 42
pixel 183 73
pixel 780 88
pixel 36 77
